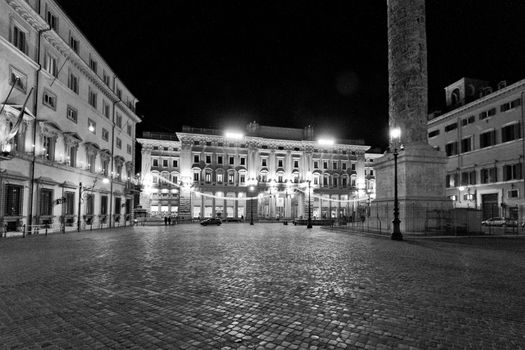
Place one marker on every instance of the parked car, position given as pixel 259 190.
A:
pixel 496 221
pixel 211 221
pixel 511 222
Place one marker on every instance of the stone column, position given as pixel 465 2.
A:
pixel 421 169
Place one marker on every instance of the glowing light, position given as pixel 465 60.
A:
pixel 105 180
pixel 395 133
pixel 233 135
pixel 91 128
pixel 326 141
pixel 461 188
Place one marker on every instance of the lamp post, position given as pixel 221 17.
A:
pixel 252 183
pixel 309 180
pixel 395 136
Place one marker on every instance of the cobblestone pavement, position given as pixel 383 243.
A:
pixel 257 287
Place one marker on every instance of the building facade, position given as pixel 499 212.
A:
pixel 261 172
pixel 482 135
pixel 70 162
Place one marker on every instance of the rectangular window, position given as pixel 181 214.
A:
pixel 510 132
pixel 92 126
pixel 72 83
pixel 264 162
pixel 49 99
pixel 468 178
pixel 165 163
pixel 334 165
pixel 325 165
pixel 451 127
pixel 103 205
pixel 219 159
pixel 155 162
pixel 13 200
pixel 512 172
pixel 316 165
pixel 466 145
pixel 48 148
pixel 72 156
pixel 92 98
pixel 344 166
pixel 93 64
pixel 433 133
pixel 196 159
pixel 118 120
pixel 46 202
pixel 243 161
pixel 50 64
pixel 232 160
pixel 105 135
pixel 483 115
pixel 515 103
pixel 488 175
pixel 208 159
pixel 70 203
pixel 73 43
pixel 207 177
pixel 52 20
pixel 105 78
pixel 491 112
pixel 353 166
pixel 451 148
pixel 513 194
pixel 72 114
pixel 119 143
pixel 18 79
pixel 175 163
pixel 128 149
pixel 504 107
pixel 19 39
pixel 219 178
pixel 129 130
pixel 105 109
pixel 230 179
pixel 90 204
pixel 296 163
pixel 196 177
pixel 487 139
pixel 280 163
pixel 242 179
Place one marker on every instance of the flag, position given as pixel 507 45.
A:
pixel 16 127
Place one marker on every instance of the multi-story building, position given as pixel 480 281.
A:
pixel 262 171
pixel 482 135
pixel 72 157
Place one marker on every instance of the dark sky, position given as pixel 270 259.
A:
pixel 289 63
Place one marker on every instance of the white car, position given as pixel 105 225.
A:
pixel 497 221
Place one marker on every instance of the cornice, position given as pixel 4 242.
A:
pixel 28 14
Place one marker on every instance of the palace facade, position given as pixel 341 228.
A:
pixel 69 164
pixel 483 137
pixel 261 172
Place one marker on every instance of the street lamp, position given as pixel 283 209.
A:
pixel 309 180
pixel 252 183
pixel 395 137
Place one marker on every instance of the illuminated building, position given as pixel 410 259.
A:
pixel 199 173
pixel 84 131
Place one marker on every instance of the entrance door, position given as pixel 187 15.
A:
pixel 489 205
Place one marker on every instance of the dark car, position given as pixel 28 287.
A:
pixel 211 221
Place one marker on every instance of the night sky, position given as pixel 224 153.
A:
pixel 289 63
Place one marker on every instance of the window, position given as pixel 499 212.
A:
pixel 468 178
pixel 325 181
pixel 13 200
pixel 129 129
pixel 49 99
pixel 196 159
pixel 344 166
pixel 353 166
pixel 243 161
pixel 48 145
pixel 219 159
pixel 513 194
pixel 119 143
pixel 491 112
pixel 208 159
pixel 264 162
pixel 72 114
pixel 334 184
pixel 466 145
pixel 468 120
pixel 52 20
pixel 515 103
pixel 155 162
pixel 510 132
pixel 451 180
pixel 165 163
pixel 118 120
pixel 196 177
pixel 334 165
pixel 18 39
pixel 72 156
pixel 512 172
pixel 219 178
pixel 451 127
pixel 483 115
pixel 504 107
pixel 280 163
pixel 73 43
pixel 92 126
pixel 230 178
pixel 105 78
pixel 92 98
pixel 93 64
pixel 128 149
pixel 433 133
pixel 51 65
pixel 104 205
pixel 488 175
pixel 105 135
pixel 296 163
pixel 90 204
pixel 207 177
pixel 72 83
pixel 242 179
pixel 91 162
pixel 487 139
pixel 174 178
pixel 46 202
pixel 105 109
pixel 451 148
pixel 105 166
pixel 316 165
pixel 70 203
pixel 175 163
pixel 232 160
pixel 325 165
pixel 196 143
pixel 17 79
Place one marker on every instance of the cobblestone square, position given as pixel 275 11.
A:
pixel 269 286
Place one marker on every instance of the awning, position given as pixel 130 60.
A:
pixel 14 111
